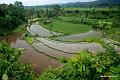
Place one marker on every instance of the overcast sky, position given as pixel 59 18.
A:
pixel 42 2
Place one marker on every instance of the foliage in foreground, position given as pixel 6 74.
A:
pixel 10 68
pixel 87 66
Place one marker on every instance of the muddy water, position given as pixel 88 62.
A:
pixel 38 60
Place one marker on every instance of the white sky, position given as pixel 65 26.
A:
pixel 42 2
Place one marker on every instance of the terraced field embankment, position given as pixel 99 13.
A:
pixel 78 37
pixel 39 46
pixel 72 47
pixel 36 29
pixel 57 49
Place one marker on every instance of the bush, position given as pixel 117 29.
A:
pixel 87 66
pixel 29 39
pixel 10 68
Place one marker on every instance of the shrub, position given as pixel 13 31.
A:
pixel 10 68
pixel 87 66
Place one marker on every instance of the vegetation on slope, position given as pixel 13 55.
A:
pixel 11 17
pixel 87 66
pixel 10 68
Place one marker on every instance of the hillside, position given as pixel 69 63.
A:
pixel 98 3
pixel 110 1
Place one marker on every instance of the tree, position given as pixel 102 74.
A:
pixel 18 4
pixel 101 25
pixel 56 9
pixel 116 19
pixel 11 16
pixel 10 68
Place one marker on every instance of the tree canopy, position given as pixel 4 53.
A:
pixel 11 16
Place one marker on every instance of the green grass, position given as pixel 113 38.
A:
pixel 29 39
pixel 68 28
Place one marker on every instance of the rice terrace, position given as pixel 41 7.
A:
pixel 60 40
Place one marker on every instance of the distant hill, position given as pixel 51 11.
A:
pixel 98 3
pixel 110 1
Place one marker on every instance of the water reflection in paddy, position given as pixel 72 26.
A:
pixel 39 61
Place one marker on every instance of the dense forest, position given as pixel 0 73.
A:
pixel 11 16
pixel 110 1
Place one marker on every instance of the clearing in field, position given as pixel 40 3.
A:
pixel 68 28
